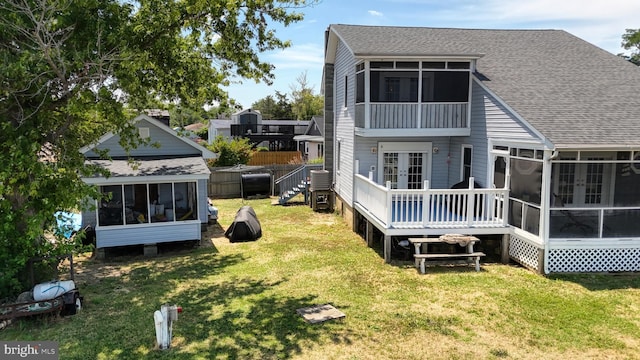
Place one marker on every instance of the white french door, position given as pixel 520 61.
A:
pixel 586 183
pixel 405 165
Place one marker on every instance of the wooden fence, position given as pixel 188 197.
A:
pixel 276 157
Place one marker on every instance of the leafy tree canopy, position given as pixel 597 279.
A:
pixel 70 69
pixel 303 104
pixel 278 108
pixel 631 41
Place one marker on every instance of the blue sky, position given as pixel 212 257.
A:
pixel 600 22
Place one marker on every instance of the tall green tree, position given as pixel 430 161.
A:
pixel 69 71
pixel 278 108
pixel 266 106
pixel 305 103
pixel 631 41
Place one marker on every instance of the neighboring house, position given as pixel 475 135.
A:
pixel 219 127
pixel 311 142
pixel 546 124
pixel 276 135
pixel 191 131
pixel 156 193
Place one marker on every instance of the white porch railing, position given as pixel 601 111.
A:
pixel 432 208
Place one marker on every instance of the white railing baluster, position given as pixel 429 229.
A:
pixel 426 204
pixel 426 207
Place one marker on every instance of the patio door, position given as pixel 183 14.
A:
pixel 584 184
pixel 405 165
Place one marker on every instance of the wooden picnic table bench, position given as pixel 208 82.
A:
pixel 421 254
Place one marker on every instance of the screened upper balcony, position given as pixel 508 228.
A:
pixel 417 98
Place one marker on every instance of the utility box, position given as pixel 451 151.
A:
pixel 321 200
pixel 320 180
pixel 320 189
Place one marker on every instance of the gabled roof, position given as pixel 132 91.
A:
pixel 314 131
pixel 574 93
pixel 206 153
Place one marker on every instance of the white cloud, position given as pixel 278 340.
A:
pixel 298 57
pixel 375 13
pixel 601 23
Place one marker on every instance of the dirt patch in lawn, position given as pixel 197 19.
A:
pixel 89 270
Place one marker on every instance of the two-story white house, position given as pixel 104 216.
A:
pixel 546 124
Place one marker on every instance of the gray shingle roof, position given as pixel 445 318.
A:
pixel 154 167
pixel 573 92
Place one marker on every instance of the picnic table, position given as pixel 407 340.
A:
pixel 422 254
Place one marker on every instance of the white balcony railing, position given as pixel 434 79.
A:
pixel 432 208
pixel 413 116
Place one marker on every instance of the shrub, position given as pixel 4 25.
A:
pixel 235 152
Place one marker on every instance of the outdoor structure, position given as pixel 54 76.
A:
pixel 276 135
pixel 311 142
pixel 219 127
pixel 155 193
pixel 538 131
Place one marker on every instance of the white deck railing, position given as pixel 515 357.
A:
pixel 432 208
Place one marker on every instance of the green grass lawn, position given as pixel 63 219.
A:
pixel 240 302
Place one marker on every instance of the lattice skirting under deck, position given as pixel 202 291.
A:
pixel 525 253
pixel 593 260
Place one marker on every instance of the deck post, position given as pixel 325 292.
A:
pixel 426 200
pixel 504 248
pixel 369 233
pixel 471 200
pixel 387 248
pixel 389 208
pixel 505 209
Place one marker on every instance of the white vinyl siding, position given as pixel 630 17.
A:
pixel 344 123
pixel 489 120
pixel 152 234
pixel 500 123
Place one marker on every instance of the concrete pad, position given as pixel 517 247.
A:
pixel 320 313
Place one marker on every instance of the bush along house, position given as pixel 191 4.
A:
pixel 532 136
pixel 155 194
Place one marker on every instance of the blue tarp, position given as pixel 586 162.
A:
pixel 67 223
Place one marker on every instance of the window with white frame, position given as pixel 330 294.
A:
pixel 346 90
pixel 466 162
pixel 360 83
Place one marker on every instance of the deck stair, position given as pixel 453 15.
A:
pixel 294 183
